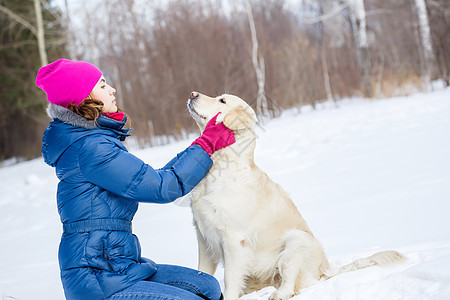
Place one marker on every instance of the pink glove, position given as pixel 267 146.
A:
pixel 215 137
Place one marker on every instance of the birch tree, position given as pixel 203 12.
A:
pixel 425 39
pixel 22 104
pixel 358 17
pixel 38 30
pixel 258 65
pixel 323 60
pixel 358 20
pixel 320 21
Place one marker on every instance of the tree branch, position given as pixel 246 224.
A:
pixel 18 19
pixel 327 16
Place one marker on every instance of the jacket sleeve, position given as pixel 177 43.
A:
pixel 174 160
pixel 112 168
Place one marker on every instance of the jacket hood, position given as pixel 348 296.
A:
pixel 67 116
pixel 68 127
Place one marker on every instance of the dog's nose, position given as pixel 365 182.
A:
pixel 194 95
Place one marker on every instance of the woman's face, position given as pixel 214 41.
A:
pixel 105 93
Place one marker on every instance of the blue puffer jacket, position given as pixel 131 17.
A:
pixel 98 194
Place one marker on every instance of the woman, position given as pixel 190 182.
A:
pixel 100 187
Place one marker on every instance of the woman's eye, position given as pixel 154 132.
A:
pixel 103 86
pixel 222 100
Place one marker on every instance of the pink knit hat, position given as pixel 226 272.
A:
pixel 66 81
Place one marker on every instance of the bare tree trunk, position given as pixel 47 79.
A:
pixel 425 39
pixel 358 16
pixel 323 57
pixel 258 65
pixel 326 76
pixel 40 32
pixel 380 75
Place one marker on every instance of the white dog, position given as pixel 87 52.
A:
pixel 247 222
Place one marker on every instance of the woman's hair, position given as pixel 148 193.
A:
pixel 90 109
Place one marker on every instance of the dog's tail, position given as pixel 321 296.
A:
pixel 384 258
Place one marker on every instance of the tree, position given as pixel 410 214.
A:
pixel 319 22
pixel 22 104
pixel 438 12
pixel 40 32
pixel 37 30
pixel 425 38
pixel 156 56
pixel 358 17
pixel 258 65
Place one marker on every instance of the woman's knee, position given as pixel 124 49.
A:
pixel 199 283
pixel 211 287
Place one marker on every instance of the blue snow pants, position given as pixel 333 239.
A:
pixel 173 283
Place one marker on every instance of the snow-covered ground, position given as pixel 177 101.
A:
pixel 366 175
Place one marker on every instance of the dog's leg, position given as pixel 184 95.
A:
pixel 299 263
pixel 205 262
pixel 237 258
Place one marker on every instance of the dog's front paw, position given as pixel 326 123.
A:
pixel 281 295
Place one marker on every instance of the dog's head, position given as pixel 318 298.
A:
pixel 235 113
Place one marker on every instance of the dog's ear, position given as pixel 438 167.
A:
pixel 239 118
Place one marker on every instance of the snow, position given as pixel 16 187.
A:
pixel 367 175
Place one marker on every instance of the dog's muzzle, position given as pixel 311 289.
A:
pixel 191 106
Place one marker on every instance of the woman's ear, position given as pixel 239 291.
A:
pixel 239 119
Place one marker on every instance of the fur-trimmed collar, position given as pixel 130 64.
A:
pixel 67 116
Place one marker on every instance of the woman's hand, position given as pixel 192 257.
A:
pixel 215 137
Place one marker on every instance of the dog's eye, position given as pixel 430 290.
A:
pixel 222 100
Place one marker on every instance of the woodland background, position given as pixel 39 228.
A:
pixel 156 52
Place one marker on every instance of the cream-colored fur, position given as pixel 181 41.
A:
pixel 248 222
